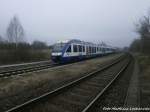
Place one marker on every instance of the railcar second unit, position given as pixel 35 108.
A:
pixel 75 50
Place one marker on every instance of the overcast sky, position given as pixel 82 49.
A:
pixel 111 21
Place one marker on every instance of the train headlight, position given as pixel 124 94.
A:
pixel 57 54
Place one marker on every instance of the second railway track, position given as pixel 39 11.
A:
pixel 25 68
pixel 17 69
pixel 79 95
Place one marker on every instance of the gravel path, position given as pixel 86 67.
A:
pixel 133 95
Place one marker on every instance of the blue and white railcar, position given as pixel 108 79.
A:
pixel 74 50
pixel 68 50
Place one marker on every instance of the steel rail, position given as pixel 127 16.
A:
pixel 25 70
pixel 88 107
pixel 31 102
pixel 22 64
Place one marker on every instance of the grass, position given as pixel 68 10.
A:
pixel 13 57
pixel 144 61
pixel 144 79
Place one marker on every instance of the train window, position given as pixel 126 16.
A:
pixel 103 49
pixel 87 49
pixel 100 49
pixel 90 49
pixel 75 49
pixel 97 49
pixel 93 50
pixel 83 48
pixel 80 48
pixel 69 49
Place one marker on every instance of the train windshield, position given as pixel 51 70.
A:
pixel 58 47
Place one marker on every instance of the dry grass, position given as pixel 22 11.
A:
pixel 144 77
pixel 17 89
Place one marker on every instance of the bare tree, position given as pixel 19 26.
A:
pixel 143 29
pixel 15 31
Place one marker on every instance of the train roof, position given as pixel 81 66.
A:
pixel 75 41
pixel 82 42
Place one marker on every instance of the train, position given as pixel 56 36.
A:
pixel 75 50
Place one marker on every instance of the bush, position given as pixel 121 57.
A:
pixel 144 61
pixel 23 52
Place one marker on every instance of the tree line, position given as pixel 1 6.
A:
pixel 142 44
pixel 15 37
pixel 15 49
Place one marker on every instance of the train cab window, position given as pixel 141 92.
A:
pixel 75 49
pixel 58 47
pixel 80 48
pixel 69 49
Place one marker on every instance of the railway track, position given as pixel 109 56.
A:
pixel 6 71
pixel 113 97
pixel 79 95
pixel 17 69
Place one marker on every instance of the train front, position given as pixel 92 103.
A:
pixel 57 52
